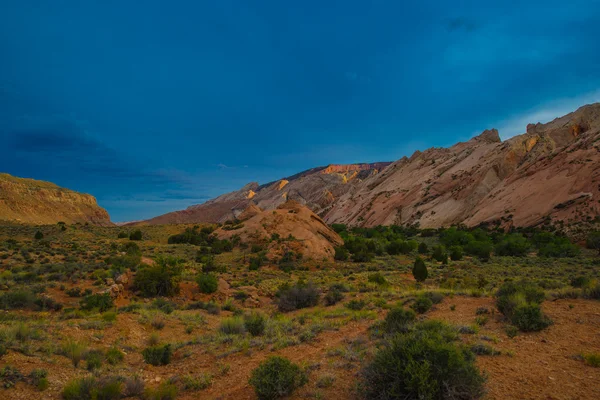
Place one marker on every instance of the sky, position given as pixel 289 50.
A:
pixel 158 105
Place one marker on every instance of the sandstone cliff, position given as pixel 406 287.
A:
pixel 37 202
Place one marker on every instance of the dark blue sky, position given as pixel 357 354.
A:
pixel 153 106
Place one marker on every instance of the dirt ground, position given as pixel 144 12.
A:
pixel 543 365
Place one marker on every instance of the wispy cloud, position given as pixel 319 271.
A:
pixel 517 124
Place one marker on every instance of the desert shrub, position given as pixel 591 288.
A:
pixel 114 356
pixel 423 249
pixel 299 296
pixel 101 302
pixel 425 363
pixel 399 320
pixel 38 235
pixel 122 235
pixel 482 349
pixel 581 282
pixel 356 305
pixel 232 326
pixel 73 350
pixel 520 303
pixel 39 378
pixel 199 382
pixel 134 387
pixel 592 292
pixel 435 297
pixel 275 378
pixel 165 391
pixel 160 279
pixel 333 296
pixel 93 359
pixel 17 299
pixel 528 317
pixel 377 278
pixel 207 283
pixel 255 323
pixel 439 254
pixel 158 355
pixel 456 253
pixel 422 304
pixel 341 253
pixel 136 235
pixel 419 270
pixel 593 241
pixel 592 359
pixel 9 376
pixel 108 388
pixel 164 305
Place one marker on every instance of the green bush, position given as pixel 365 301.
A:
pixel 422 304
pixel 529 318
pixel 165 391
pixel 515 245
pixel 255 323
pixel 341 253
pixel 136 235
pixel 158 355
pixel 399 320
pixel 423 249
pixel 101 302
pixel 122 235
pixel 377 278
pixel 356 305
pixel 207 283
pixel 520 303
pixel 93 359
pixel 425 363
pixel 108 388
pixel 38 235
pixel 593 241
pixel 479 249
pixel 333 296
pixel 114 356
pixel 456 253
pixel 232 326
pixel 39 379
pixel 160 279
pixel 275 378
pixel 419 270
pixel 299 296
pixel 439 254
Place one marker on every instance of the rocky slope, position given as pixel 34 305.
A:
pixel 37 202
pixel 299 230
pixel 317 188
pixel 550 172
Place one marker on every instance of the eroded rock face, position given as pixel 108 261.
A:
pixel 301 231
pixel 517 182
pixel 552 170
pixel 317 188
pixel 37 202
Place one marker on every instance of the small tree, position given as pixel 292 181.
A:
pixel 593 241
pixel 456 253
pixel 136 235
pixel 38 235
pixel 423 248
pixel 161 279
pixel 419 270
pixel 207 283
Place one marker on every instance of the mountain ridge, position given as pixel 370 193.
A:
pixel 481 181
pixel 30 201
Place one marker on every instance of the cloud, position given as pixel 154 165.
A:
pixel 544 113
